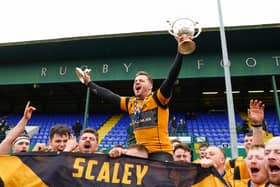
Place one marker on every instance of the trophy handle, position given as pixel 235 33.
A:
pixel 170 30
pixel 198 29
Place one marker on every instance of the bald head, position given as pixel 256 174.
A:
pixel 273 140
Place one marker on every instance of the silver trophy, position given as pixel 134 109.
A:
pixel 185 30
pixel 81 73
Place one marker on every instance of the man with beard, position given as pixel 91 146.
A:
pixel 88 142
pixel 272 161
pixel 148 110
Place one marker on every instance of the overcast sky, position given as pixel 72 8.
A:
pixel 36 20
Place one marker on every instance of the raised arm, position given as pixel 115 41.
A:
pixel 17 130
pixel 167 85
pixel 101 91
pixel 256 116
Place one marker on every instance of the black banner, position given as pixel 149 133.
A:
pixel 82 170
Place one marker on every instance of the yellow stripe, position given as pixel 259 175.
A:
pixel 15 173
pixel 210 180
pixel 108 125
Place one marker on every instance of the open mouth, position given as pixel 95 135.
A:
pixel 87 146
pixel 137 88
pixel 255 170
pixel 274 168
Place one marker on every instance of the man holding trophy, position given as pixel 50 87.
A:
pixel 148 109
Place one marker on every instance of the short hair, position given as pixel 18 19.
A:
pixel 60 130
pixel 90 130
pixel 185 147
pixel 175 141
pixel 256 146
pixel 203 145
pixel 139 147
pixel 249 134
pixel 145 74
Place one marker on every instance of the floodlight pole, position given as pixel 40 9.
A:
pixel 86 109
pixel 231 118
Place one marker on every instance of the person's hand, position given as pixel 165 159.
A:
pixel 71 144
pixel 28 111
pixel 87 77
pixel 206 163
pixel 116 152
pixel 40 147
pixel 256 112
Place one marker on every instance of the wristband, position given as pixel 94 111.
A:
pixel 257 125
pixel 257 128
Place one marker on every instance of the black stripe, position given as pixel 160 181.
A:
pixel 204 172
pixel 126 103
pixel 236 173
pixel 1 183
pixel 158 102
pixel 232 163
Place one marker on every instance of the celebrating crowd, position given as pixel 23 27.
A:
pixel 149 115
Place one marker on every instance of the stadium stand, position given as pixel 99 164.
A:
pixel 213 126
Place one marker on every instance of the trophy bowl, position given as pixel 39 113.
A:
pixel 81 73
pixel 185 30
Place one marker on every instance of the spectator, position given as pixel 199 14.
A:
pixel 173 126
pixel 148 110
pixel 239 129
pixel 182 127
pixel 77 127
pixel 3 129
